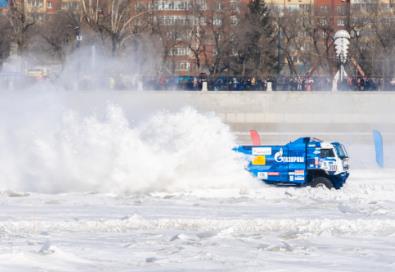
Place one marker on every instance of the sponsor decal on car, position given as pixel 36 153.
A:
pixel 259 160
pixel 266 151
pixel 278 157
pixel 273 173
pixel 295 176
pixel 262 175
pixel 299 178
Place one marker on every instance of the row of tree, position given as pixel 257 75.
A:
pixel 219 37
pixel 307 40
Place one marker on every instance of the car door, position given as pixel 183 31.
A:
pixel 297 163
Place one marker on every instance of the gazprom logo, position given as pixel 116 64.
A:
pixel 278 157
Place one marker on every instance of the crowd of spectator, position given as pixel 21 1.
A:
pixel 195 83
pixel 283 83
pixel 204 82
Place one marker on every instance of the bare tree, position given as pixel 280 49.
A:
pixel 5 40
pixel 291 39
pixel 112 19
pixel 59 32
pixel 306 38
pixel 20 24
pixel 382 44
pixel 373 44
pixel 218 37
pixel 253 41
pixel 197 23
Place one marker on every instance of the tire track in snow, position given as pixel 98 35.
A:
pixel 232 226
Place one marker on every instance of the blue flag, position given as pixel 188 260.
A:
pixel 3 3
pixel 378 145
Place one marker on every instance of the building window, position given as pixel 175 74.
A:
pixel 36 3
pixel 234 20
pixel 180 51
pixel 341 10
pixel 323 22
pixel 234 5
pixel 217 21
pixel 324 9
pixel 340 22
pixel 183 66
pixel 172 20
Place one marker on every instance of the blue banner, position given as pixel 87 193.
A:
pixel 378 145
pixel 3 3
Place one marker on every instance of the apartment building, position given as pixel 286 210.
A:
pixel 371 4
pixel 334 14
pixel 72 5
pixel 184 26
pixel 290 4
pixel 39 9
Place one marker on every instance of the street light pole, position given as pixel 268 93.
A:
pixel 278 52
pixel 279 44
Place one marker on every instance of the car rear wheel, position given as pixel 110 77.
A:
pixel 322 182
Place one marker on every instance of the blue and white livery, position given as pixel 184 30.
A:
pixel 305 161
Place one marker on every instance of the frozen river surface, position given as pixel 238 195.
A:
pixel 110 187
pixel 249 229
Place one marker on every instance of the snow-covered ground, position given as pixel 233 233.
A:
pixel 261 229
pixel 104 191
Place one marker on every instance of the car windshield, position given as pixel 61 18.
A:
pixel 327 153
pixel 341 150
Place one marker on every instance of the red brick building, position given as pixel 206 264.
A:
pixel 52 6
pixel 41 8
pixel 332 13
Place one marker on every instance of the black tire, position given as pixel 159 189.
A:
pixel 321 182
